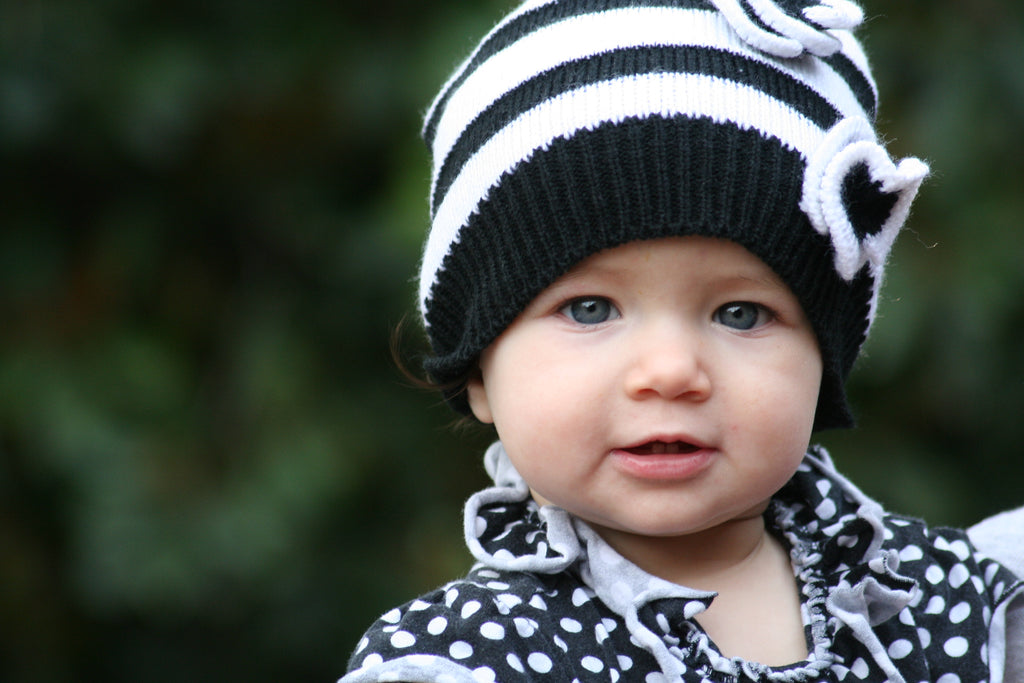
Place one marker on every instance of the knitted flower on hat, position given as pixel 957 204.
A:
pixel 788 29
pixel 580 125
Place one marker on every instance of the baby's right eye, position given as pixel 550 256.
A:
pixel 590 310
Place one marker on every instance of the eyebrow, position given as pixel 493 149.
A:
pixel 769 280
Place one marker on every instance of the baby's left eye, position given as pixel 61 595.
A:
pixel 742 315
pixel 590 310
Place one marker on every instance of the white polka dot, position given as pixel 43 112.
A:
pixel 403 639
pixel 437 626
pixel 498 585
pixel 562 645
pixel 488 573
pixel 592 664
pixel 655 677
pixel 392 617
pixel 934 574
pixel 515 662
pixel 539 662
pixel 960 549
pixel 450 597
pixel 824 486
pixel 958 575
pixel 911 553
pixel 537 602
pixel 570 625
pixel 609 624
pixel 990 572
pixel 525 627
pixel 937 605
pixel 460 649
pixel 900 648
pixel 841 671
pixel 492 631
pixel 860 668
pixel 846 541
pixel 948 678
pixel 508 600
pixel 925 636
pixel 956 646
pixel 470 608
pixel 418 606
pixel 484 675
pixel 580 597
pixel 600 633
pixel 362 645
pixel 625 663
pixel 960 612
pixel 826 509
pixel 372 660
pixel 614 675
pixel 693 608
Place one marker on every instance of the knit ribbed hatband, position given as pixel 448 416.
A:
pixel 579 125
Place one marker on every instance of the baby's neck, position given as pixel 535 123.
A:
pixel 698 560
pixel 756 614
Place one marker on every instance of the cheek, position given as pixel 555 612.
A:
pixel 778 407
pixel 531 417
pixel 543 413
pixel 534 392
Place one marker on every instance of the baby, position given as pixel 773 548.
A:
pixel 658 236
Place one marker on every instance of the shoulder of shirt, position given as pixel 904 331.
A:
pixel 1001 536
pixel 448 630
pixel 946 559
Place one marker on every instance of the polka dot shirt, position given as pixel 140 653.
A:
pixel 884 598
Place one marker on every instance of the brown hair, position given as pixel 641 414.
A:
pixel 406 355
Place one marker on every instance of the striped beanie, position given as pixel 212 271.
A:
pixel 579 125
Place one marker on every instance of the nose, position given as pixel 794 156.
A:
pixel 670 363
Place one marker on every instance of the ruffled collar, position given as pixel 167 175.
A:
pixel 834 531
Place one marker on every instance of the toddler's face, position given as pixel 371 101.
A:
pixel 660 388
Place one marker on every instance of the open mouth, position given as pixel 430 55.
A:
pixel 663 448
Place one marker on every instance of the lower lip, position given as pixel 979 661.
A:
pixel 664 466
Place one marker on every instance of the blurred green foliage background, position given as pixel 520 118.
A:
pixel 211 214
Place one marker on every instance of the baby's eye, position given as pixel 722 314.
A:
pixel 590 310
pixel 742 315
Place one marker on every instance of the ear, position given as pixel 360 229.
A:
pixel 476 394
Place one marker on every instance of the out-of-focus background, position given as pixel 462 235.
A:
pixel 210 214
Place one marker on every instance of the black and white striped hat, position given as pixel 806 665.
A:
pixel 580 125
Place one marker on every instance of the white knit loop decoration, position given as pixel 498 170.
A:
pixel 791 29
pixel 849 146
